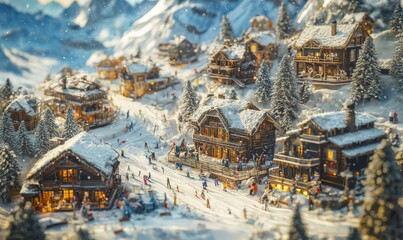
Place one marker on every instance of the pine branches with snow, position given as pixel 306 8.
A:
pixel 366 75
pixel 396 21
pixel 382 210
pixel 304 93
pixel 9 173
pixel 70 126
pixel 284 103
pixel 188 103
pixel 23 224
pixel 263 84
pixel 297 229
pixel 283 23
pixel 7 90
pixel 226 29
pixel 50 124
pixel 25 146
pixel 7 132
pixel 397 58
pixel 42 139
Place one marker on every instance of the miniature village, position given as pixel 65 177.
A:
pixel 286 126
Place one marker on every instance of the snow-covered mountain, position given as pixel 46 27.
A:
pixel 198 20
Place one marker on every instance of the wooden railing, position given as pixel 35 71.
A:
pixel 218 141
pixel 318 59
pixel 78 183
pixel 296 161
pixel 291 182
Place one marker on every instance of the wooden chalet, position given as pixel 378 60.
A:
pixel 327 54
pixel 260 24
pixel 138 79
pixel 231 129
pixel 88 100
pixel 24 108
pixel 232 62
pixel 264 45
pixel 82 170
pixel 179 51
pixel 361 17
pixel 108 69
pixel 323 147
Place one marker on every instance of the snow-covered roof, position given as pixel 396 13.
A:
pixel 233 52
pixel 29 187
pixel 177 40
pixel 240 115
pixel 259 19
pixel 356 137
pixel 25 103
pixel 354 17
pixel 78 86
pixel 336 120
pixel 137 68
pixel 87 147
pixel 355 152
pixel 323 37
pixel 263 38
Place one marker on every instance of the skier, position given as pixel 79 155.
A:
pixel 165 204
pixel 266 203
pixel 196 193
pixel 177 188
pixel 149 160
pixel 145 145
pixel 175 198
pixel 122 153
pixel 145 179
pixel 165 196
pixel 127 114
pixel 204 184
pixel 133 175
pixel 239 186
pixel 311 205
pixel 139 173
pixel 395 117
pixel 128 168
pixel 229 211
pixel 216 182
pixel 245 214
pixel 316 192
pixel 162 170
pixel 224 186
pixel 127 177
pixel 149 175
pixel 168 184
pixel 208 203
pixel 202 194
pixel 188 174
pixel 118 141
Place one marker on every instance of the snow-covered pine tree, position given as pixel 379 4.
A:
pixel 7 131
pixel 9 173
pixel 396 21
pixel 283 23
pixel 188 103
pixel 7 90
pixel 297 229
pixel 70 126
pixel 80 234
pixel 366 75
pixel 284 102
pixel 42 139
pixel 382 211
pixel 25 146
pixel 23 224
pixel 304 93
pixel 50 124
pixel 355 6
pixel 263 84
pixel 226 29
pixel 399 75
pixel 233 95
pixel 397 57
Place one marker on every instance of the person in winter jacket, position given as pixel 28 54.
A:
pixel 168 184
pixel 145 179
pixel 204 184
pixel 208 203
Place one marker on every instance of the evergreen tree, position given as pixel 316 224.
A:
pixel 382 210
pixel 396 21
pixel 7 90
pixel 283 23
pixel 263 84
pixel 80 234
pixel 366 75
pixel 50 124
pixel 397 57
pixel 399 75
pixel 226 29
pixel 355 6
pixel 25 147
pixel 7 131
pixel 138 54
pixel 42 139
pixel 188 103
pixel 284 98
pixel 9 173
pixel 233 95
pixel 297 230
pixel 304 93
pixel 70 126
pixel 23 224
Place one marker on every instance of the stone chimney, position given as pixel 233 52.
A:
pixel 349 107
pixel 64 83
pixel 333 28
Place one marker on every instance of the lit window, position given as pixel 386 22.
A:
pixel 331 154
pixel 67 175
pixel 68 194
pixel 99 196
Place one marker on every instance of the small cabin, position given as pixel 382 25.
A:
pixel 82 170
pixel 264 45
pixel 327 54
pixel 363 18
pixel 260 24
pixel 24 108
pixel 179 51
pixel 108 69
pixel 324 148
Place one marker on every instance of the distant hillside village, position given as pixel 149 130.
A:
pixel 233 140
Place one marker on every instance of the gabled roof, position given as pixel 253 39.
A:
pixel 238 114
pixel 357 137
pixel 260 18
pixel 263 38
pixel 322 35
pixel 336 120
pixel 178 40
pixel 90 149
pixel 78 86
pixel 24 103
pixel 234 52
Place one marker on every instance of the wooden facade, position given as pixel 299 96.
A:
pixel 323 147
pixel 361 17
pixel 65 177
pixel 89 101
pixel 108 69
pixel 328 54
pixel 217 134
pixel 179 51
pixel 264 45
pixel 24 108
pixel 232 62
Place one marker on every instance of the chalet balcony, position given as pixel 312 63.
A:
pixel 318 59
pixel 295 161
pixel 313 138
pixel 290 182
pixel 218 141
pixel 223 67
pixel 93 112
pixel 74 184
